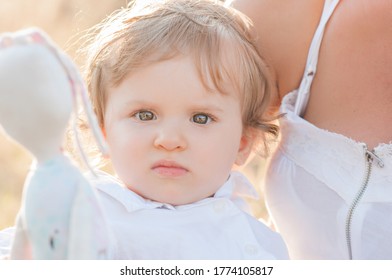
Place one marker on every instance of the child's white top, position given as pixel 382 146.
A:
pixel 213 228
pixel 316 187
pixel 218 227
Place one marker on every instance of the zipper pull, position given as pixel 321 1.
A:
pixel 371 156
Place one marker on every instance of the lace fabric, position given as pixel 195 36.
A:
pixel 341 161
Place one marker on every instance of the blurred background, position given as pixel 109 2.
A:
pixel 65 21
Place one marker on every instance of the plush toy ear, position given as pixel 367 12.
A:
pixel 78 88
pixel 98 133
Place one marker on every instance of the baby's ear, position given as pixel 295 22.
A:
pixel 246 146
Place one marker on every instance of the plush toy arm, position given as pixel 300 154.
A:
pixel 61 215
pixel 89 235
pixel 21 248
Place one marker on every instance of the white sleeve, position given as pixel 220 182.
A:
pixel 270 240
pixel 6 237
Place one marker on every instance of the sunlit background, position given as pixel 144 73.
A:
pixel 65 21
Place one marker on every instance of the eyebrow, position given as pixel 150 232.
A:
pixel 203 107
pixel 196 107
pixel 138 103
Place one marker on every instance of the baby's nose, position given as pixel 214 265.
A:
pixel 170 137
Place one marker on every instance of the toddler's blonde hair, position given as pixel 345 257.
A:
pixel 150 31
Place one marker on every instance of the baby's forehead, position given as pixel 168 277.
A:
pixel 216 73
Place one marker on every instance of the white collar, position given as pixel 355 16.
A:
pixel 235 189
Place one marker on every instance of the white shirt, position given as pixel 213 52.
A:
pixel 218 227
pixel 214 228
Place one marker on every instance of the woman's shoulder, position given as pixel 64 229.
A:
pixel 283 31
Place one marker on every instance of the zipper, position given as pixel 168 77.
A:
pixel 370 158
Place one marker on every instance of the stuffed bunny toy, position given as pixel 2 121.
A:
pixel 60 215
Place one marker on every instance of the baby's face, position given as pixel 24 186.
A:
pixel 170 139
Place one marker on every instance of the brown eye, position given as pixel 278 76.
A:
pixel 201 119
pixel 145 116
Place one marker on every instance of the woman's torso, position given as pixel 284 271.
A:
pixel 323 194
